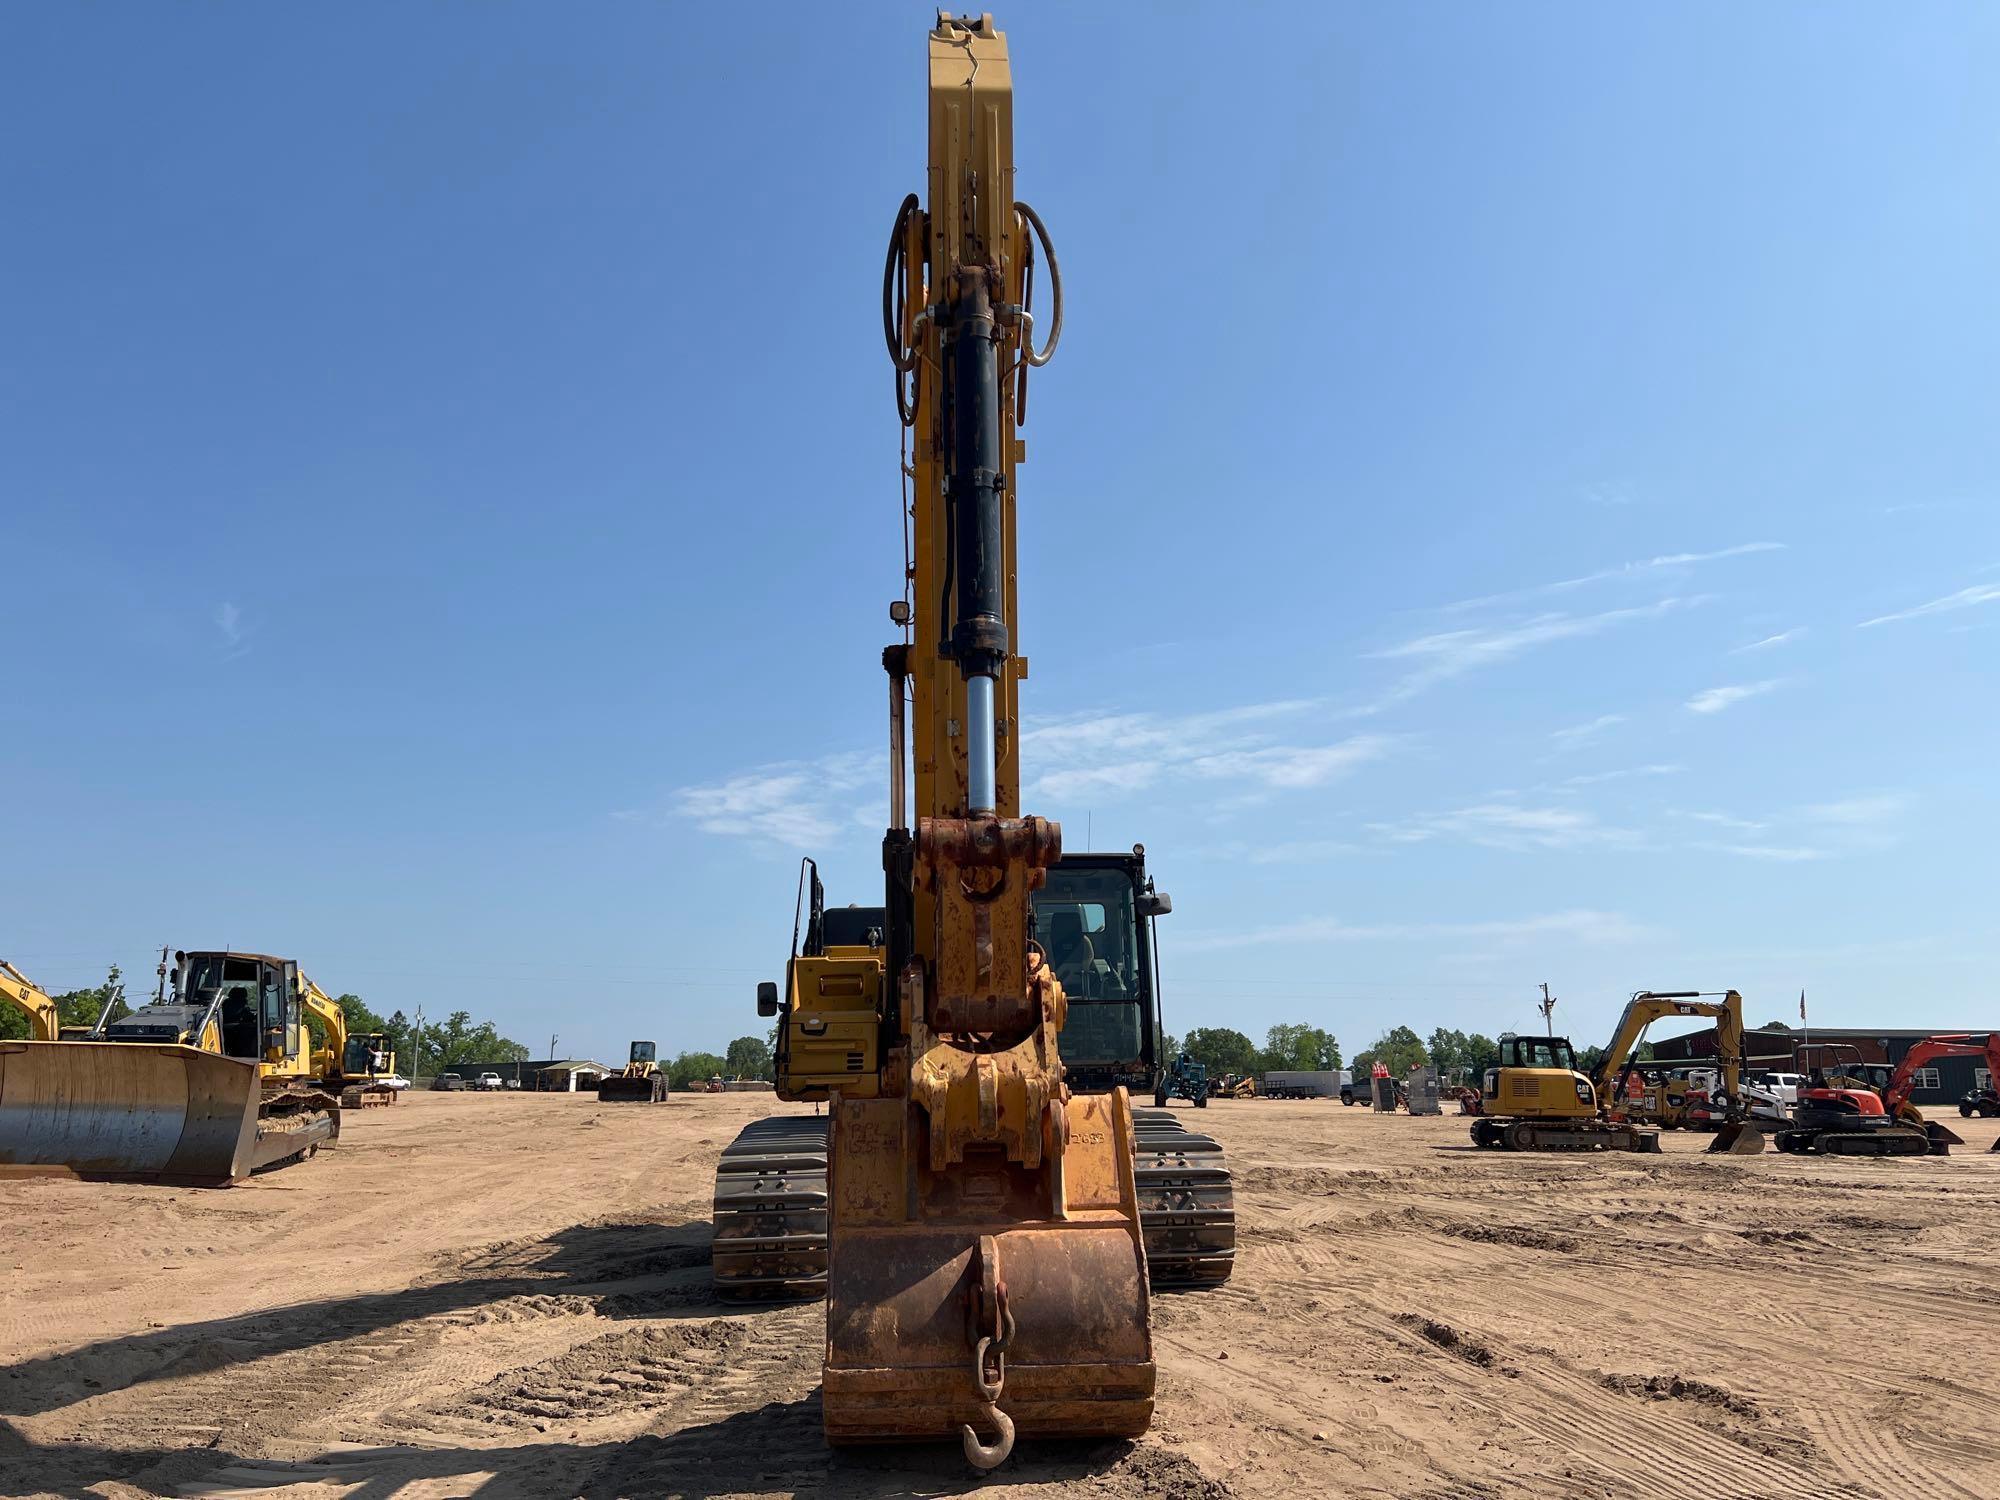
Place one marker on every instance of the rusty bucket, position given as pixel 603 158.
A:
pixel 976 1305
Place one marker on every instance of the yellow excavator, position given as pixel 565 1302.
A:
pixel 985 1273
pixel 202 1086
pixel 1538 1100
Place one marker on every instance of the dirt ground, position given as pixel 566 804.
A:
pixel 508 1296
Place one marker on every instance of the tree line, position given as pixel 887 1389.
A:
pixel 76 1007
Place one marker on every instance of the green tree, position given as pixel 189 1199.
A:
pixel 1166 1046
pixel 1221 1050
pixel 749 1057
pixel 1299 1047
pixel 1399 1051
pixel 692 1067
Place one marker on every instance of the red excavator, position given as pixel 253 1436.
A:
pixel 1896 1097
pixel 1840 1114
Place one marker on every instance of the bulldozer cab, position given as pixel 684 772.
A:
pixel 256 1001
pixel 644 1054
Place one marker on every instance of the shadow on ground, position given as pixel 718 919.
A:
pixel 774 1449
pixel 621 1270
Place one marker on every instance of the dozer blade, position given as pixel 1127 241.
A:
pixel 1943 1138
pixel 1741 1138
pixel 147 1110
pixel 910 1261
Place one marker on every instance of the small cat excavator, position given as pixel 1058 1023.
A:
pixel 1538 1100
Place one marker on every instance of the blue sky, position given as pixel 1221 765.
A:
pixel 1518 498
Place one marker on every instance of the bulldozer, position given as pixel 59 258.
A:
pixel 985 1261
pixel 202 1086
pixel 1537 1099
pixel 640 1081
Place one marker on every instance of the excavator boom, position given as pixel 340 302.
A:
pixel 985 1264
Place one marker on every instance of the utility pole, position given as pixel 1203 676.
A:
pixel 416 1046
pixel 1548 1009
pixel 553 1039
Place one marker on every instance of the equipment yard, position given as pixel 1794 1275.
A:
pixel 436 1307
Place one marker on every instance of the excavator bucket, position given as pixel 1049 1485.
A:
pixel 1738 1138
pixel 976 1313
pixel 146 1110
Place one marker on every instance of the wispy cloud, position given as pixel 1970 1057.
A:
pixel 1869 810
pixel 1508 825
pixel 1769 641
pixel 229 622
pixel 1639 569
pixel 1777 853
pixel 1721 820
pixel 1574 926
pixel 1625 773
pixel 1578 735
pixel 1864 822
pixel 1452 653
pixel 1082 754
pixel 1714 700
pixel 1979 593
pixel 1072 760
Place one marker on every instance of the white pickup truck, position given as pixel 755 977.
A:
pixel 489 1081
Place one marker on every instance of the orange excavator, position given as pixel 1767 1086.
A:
pixel 1902 1082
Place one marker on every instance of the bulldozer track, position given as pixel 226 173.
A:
pixel 770 1209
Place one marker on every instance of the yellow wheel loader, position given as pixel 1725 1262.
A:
pixel 640 1081
pixel 201 1087
pixel 1537 1099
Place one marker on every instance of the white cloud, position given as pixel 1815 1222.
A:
pixel 796 804
pixel 1722 820
pixel 1714 700
pixel 1072 759
pixel 1287 766
pixel 1577 926
pixel 1578 735
pixel 229 622
pixel 1769 641
pixel 1508 825
pixel 1452 653
pixel 1979 593
pixel 1657 768
pixel 1773 852
pixel 1624 570
pixel 1866 811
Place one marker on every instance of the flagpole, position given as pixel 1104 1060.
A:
pixel 1806 1026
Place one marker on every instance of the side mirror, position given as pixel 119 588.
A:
pixel 1155 904
pixel 767 999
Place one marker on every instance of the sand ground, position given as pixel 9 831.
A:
pixel 508 1296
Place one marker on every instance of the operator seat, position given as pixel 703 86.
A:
pixel 1070 952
